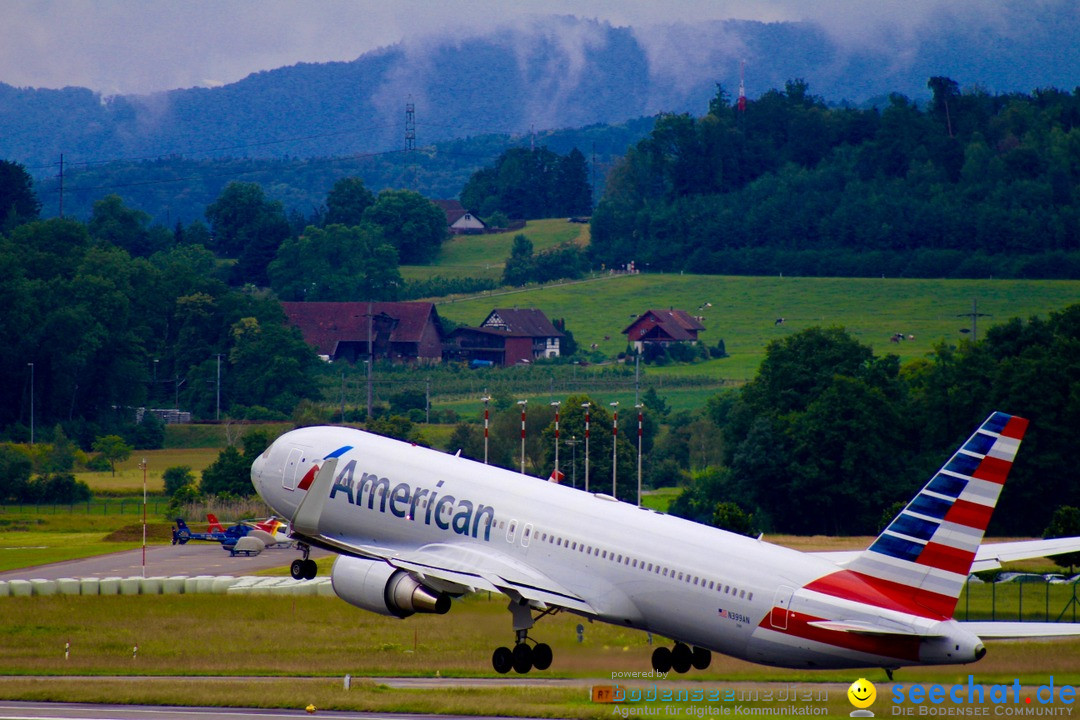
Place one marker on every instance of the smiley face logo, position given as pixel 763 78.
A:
pixel 862 693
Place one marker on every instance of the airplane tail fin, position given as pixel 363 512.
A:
pixel 922 559
pixel 215 526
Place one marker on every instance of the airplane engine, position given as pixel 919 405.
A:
pixel 376 586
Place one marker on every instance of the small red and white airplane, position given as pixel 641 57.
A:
pixel 415 527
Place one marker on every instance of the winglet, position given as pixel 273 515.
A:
pixel 306 519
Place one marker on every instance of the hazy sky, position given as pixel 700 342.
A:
pixel 139 46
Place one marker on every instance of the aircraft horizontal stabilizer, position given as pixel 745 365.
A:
pixel 992 630
pixel 991 555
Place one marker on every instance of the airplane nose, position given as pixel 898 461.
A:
pixel 256 473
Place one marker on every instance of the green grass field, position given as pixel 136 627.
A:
pixel 129 476
pixel 309 643
pixel 744 310
pixel 339 639
pixel 483 256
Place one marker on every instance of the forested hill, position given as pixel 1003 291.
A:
pixel 972 185
pixel 559 72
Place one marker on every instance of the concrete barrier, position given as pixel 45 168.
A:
pixel 150 585
pixel 255 585
pixel 42 586
pixel 191 584
pixel 222 584
pixel 109 585
pixel 20 588
pixel 68 586
pixel 177 584
pixel 306 588
pixel 173 585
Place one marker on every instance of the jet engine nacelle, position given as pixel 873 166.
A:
pixel 380 588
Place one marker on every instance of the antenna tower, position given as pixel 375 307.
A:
pixel 410 142
pixel 742 86
pixel 61 176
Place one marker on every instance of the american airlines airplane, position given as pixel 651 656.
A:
pixel 415 527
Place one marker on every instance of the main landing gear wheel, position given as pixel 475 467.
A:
pixel 502 660
pixel 680 658
pixel 523 657
pixel 542 656
pixel 303 569
pixel 661 660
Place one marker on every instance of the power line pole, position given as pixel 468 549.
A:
pixel 639 423
pixel 31 402
pixel 614 446
pixel 217 412
pixel 486 399
pixel 371 358
pixel 556 405
pixel 586 406
pixel 523 403
pixel 974 315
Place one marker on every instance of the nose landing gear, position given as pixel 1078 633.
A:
pixel 304 569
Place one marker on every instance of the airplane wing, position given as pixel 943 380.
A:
pixel 990 555
pixel 468 567
pixel 993 630
pixel 480 567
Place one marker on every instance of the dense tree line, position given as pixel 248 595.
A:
pixel 529 184
pixel 110 315
pixel 565 260
pixel 961 187
pixel 828 435
pixel 175 188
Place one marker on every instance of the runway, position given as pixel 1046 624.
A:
pixel 194 558
pixel 81 711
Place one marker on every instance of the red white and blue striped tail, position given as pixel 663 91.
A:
pixel 925 554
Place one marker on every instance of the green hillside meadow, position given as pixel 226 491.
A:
pixel 743 310
pixel 483 256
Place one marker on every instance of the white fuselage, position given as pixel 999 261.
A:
pixel 635 567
